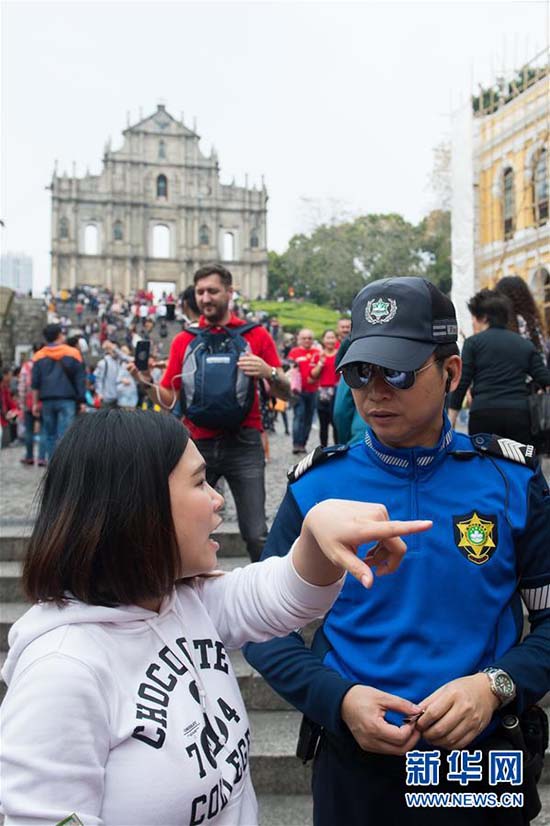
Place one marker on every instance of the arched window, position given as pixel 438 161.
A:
pixel 509 203
pixel 161 241
pixel 162 149
pixel 204 236
pixel 540 187
pixel 228 247
pixel 162 187
pixel 63 229
pixel 118 234
pixel 254 239
pixel 91 240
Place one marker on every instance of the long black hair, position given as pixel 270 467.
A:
pixel 104 530
pixel 523 303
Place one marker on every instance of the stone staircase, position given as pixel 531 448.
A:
pixel 274 723
pixel 22 320
pixel 282 783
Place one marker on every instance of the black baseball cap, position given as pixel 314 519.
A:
pixel 398 322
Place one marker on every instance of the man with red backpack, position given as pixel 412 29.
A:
pixel 214 367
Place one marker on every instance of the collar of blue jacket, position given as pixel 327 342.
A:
pixel 411 459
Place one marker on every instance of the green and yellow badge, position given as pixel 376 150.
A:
pixel 476 536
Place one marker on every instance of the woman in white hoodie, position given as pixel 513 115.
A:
pixel 122 705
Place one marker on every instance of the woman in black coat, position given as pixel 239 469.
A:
pixel 496 365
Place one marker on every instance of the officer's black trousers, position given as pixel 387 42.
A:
pixel 369 790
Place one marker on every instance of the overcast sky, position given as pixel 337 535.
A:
pixel 336 102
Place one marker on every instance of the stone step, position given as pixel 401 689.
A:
pixel 13 541
pixel 14 538
pixel 229 563
pixel 286 810
pixel 544 818
pixel 231 541
pixel 10 582
pixel 3 687
pixel 9 613
pixel 10 576
pixel 273 760
pixel 257 694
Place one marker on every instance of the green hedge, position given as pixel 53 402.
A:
pixel 293 315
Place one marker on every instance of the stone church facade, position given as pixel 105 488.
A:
pixel 156 212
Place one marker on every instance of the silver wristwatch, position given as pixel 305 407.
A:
pixel 502 684
pixel 273 374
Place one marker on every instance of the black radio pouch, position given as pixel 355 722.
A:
pixel 308 740
pixel 529 735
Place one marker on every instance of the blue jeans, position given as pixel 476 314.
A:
pixel 303 417
pixel 29 437
pixel 57 414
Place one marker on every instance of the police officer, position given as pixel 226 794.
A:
pixel 431 658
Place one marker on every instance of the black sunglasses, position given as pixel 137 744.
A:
pixel 359 373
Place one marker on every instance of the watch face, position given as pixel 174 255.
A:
pixel 504 684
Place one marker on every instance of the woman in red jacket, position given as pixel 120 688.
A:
pixel 8 406
pixel 326 373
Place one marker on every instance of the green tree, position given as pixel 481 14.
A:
pixel 278 280
pixel 434 233
pixel 333 263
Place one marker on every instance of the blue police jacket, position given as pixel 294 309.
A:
pixel 454 606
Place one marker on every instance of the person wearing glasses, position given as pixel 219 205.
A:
pixel 433 663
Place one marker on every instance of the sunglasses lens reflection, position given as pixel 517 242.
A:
pixel 359 374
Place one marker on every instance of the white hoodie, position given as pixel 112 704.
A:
pixel 128 717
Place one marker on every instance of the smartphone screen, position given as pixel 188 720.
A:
pixel 141 358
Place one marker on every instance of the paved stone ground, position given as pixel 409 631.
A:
pixel 19 483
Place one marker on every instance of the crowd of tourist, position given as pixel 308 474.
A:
pixel 104 327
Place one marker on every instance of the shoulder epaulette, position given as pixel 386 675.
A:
pixel 316 457
pixel 491 445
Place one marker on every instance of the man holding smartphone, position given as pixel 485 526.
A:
pixel 234 452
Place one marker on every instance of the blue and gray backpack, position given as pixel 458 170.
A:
pixel 214 392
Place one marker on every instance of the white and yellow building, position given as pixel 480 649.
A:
pixel 501 223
